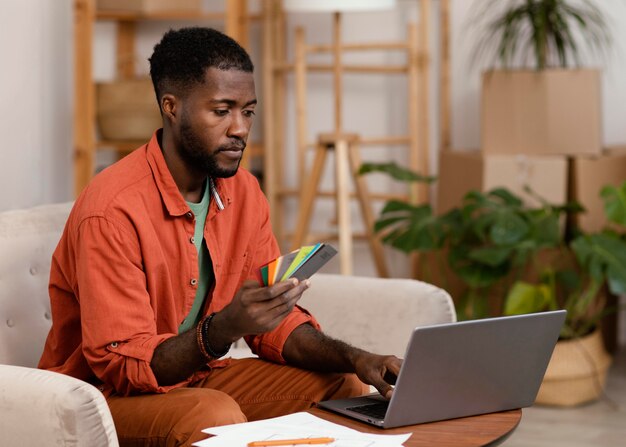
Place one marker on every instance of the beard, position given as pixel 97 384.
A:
pixel 196 156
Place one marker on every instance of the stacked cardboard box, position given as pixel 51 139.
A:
pixel 541 130
pixel 587 176
pixel 551 112
pixel 460 172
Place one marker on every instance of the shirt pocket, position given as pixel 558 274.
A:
pixel 238 264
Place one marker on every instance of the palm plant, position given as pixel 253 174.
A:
pixel 550 32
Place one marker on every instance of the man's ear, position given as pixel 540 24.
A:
pixel 169 106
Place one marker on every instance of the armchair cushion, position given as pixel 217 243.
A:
pixel 27 240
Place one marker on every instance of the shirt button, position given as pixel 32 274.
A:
pixel 192 240
pixel 193 281
pixel 189 215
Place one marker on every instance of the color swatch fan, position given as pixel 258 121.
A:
pixel 300 264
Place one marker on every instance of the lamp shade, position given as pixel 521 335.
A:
pixel 336 5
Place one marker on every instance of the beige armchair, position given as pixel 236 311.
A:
pixel 39 407
pixel 45 408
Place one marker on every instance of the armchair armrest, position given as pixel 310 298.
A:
pixel 45 408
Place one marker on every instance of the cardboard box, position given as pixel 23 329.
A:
pixel 461 172
pixel 588 175
pixel 552 112
pixel 148 5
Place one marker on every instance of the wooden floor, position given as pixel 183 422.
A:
pixel 600 424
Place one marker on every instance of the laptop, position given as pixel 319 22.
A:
pixel 463 369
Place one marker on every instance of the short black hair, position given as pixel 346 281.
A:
pixel 182 57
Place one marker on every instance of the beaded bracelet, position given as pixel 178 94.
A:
pixel 204 338
pixel 200 341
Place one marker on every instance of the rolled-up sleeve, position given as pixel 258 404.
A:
pixel 119 333
pixel 270 345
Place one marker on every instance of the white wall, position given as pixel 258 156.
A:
pixel 36 88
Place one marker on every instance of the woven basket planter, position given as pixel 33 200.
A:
pixel 127 110
pixel 576 373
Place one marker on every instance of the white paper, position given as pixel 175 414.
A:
pixel 296 426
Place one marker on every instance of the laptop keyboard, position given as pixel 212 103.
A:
pixel 377 410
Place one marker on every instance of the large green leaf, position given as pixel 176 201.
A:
pixel 490 256
pixel 474 274
pixel 395 171
pixel 603 256
pixel 612 252
pixel 544 228
pixel 615 203
pixel 524 298
pixel 508 228
pixel 410 227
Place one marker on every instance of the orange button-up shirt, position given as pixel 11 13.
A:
pixel 124 274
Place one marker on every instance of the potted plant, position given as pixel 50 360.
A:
pixel 498 247
pixel 482 244
pixel 577 371
pixel 533 101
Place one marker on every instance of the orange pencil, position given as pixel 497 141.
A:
pixel 303 441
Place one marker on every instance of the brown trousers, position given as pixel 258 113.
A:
pixel 246 390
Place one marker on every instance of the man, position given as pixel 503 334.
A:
pixel 150 283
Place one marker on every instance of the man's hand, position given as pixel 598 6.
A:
pixel 255 310
pixel 378 370
pixel 311 349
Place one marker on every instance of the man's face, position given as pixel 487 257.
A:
pixel 215 122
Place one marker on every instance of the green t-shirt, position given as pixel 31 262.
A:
pixel 205 266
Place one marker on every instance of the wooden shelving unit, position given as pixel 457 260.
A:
pixel 236 21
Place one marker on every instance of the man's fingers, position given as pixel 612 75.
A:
pixel 390 377
pixel 266 307
pixel 392 369
pixel 297 291
pixel 394 365
pixel 284 303
pixel 383 388
pixel 257 294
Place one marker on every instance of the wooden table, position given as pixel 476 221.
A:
pixel 483 430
